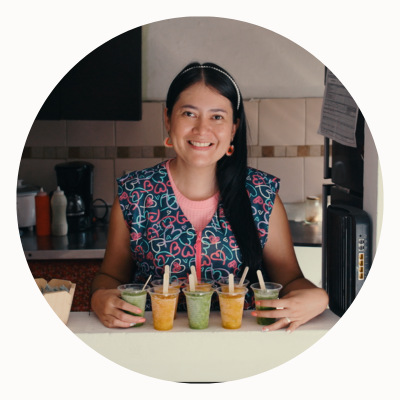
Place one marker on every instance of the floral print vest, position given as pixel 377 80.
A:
pixel 162 235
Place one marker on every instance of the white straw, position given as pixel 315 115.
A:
pixel 246 270
pixel 192 286
pixel 146 282
pixel 231 284
pixel 165 283
pixel 261 280
pixel 166 270
pixel 193 269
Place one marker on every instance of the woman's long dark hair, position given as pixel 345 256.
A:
pixel 232 170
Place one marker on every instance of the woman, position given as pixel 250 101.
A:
pixel 204 208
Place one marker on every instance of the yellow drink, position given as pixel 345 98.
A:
pixel 163 306
pixel 231 306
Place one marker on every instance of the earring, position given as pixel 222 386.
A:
pixel 230 150
pixel 167 142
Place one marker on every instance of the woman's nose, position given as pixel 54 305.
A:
pixel 201 126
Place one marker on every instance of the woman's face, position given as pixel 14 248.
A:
pixel 201 125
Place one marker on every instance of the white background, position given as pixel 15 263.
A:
pixel 41 40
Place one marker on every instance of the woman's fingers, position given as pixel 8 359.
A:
pixel 123 305
pixel 277 303
pixel 281 323
pixel 270 313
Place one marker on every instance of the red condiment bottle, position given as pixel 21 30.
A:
pixel 43 213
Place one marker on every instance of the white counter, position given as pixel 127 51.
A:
pixel 165 355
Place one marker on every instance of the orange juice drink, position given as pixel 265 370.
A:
pixel 163 306
pixel 231 305
pixel 174 284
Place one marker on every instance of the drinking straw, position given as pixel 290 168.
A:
pixel 192 286
pixel 231 285
pixel 243 276
pixel 193 269
pixel 261 280
pixel 146 282
pixel 165 283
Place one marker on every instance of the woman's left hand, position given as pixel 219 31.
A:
pixel 299 306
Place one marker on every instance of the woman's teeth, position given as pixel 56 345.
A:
pixel 198 144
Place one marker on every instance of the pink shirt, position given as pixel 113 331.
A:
pixel 199 213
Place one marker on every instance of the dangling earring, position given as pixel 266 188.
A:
pixel 230 150
pixel 167 142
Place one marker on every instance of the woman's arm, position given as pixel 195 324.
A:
pixel 300 298
pixel 116 269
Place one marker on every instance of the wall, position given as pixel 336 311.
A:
pixel 284 143
pixel 265 64
pixel 287 81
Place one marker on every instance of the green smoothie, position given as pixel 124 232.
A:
pixel 271 292
pixel 135 296
pixel 260 320
pixel 198 307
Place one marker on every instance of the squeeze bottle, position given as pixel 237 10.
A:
pixel 43 213
pixel 59 226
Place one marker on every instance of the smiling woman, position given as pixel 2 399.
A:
pixel 204 209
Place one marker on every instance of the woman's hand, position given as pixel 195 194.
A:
pixel 109 307
pixel 298 305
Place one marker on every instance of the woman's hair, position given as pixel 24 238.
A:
pixel 231 170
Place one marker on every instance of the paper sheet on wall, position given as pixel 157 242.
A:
pixel 339 113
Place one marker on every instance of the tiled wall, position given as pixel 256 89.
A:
pixel 284 142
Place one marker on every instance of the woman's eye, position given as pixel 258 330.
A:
pixel 218 117
pixel 188 113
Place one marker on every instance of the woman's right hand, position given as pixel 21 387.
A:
pixel 109 307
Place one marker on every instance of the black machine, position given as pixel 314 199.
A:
pixel 76 180
pixel 346 228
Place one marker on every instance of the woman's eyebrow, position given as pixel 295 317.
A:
pixel 212 109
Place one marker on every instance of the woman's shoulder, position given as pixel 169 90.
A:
pixel 138 176
pixel 258 177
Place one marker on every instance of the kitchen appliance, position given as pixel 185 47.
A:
pixel 26 205
pixel 76 180
pixel 346 228
pixel 348 254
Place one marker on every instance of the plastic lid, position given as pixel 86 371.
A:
pixel 41 192
pixel 58 191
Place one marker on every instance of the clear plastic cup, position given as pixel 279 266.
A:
pixel 271 292
pixel 225 282
pixel 231 305
pixel 163 306
pixel 176 283
pixel 202 286
pixel 198 307
pixel 134 294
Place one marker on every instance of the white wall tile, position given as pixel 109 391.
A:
pixel 281 122
pixel 39 173
pixel 251 110
pixel 313 173
pixel 147 132
pixel 291 173
pixel 90 133
pixel 132 164
pixel 313 117
pixel 47 133
pixel 252 162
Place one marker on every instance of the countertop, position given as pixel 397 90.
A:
pixel 215 359
pixel 92 243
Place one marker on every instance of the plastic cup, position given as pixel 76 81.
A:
pixel 163 306
pixel 271 292
pixel 198 307
pixel 231 305
pixel 173 284
pixel 203 286
pixel 135 295
pixel 225 282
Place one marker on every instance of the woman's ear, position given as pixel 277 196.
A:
pixel 167 122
